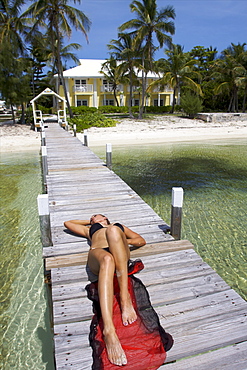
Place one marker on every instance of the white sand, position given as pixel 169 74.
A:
pixel 15 138
pixel 162 129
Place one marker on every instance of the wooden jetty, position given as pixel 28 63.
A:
pixel 204 315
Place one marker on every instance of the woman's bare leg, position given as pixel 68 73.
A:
pixel 102 263
pixel 120 250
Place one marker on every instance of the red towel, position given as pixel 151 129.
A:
pixel 144 342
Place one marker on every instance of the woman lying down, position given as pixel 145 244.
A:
pixel 125 329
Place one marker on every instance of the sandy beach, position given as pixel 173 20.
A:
pixel 16 138
pixel 161 129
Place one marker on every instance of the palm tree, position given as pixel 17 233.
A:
pixel 12 48
pixel 150 21
pixel 177 69
pixel 12 28
pixel 60 18
pixel 114 74
pixel 241 71
pixel 124 50
pixel 226 72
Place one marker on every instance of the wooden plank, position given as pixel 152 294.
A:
pixel 75 359
pixel 80 339
pixel 148 249
pixel 78 309
pixel 77 346
pixel 69 288
pixel 208 334
pixel 155 248
pixel 227 358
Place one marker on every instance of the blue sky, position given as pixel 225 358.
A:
pixel 207 23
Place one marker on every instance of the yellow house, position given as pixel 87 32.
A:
pixel 87 86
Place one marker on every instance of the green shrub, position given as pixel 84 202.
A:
pixel 44 110
pixel 88 120
pixel 177 108
pixel 83 109
pixel 112 109
pixel 135 109
pixel 191 104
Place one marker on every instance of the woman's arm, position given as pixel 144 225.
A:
pixel 80 227
pixel 133 238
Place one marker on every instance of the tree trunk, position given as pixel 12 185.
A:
pixel 22 118
pixel 244 100
pixel 115 96
pixel 173 102
pixel 236 98
pixel 60 73
pixel 230 104
pixel 131 95
pixel 13 113
pixel 60 69
pixel 141 109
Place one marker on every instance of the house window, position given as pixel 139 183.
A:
pixel 108 102
pixel 107 86
pixel 136 102
pixel 156 102
pixel 81 102
pixel 80 82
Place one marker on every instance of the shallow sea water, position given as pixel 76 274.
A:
pixel 25 337
pixel 214 178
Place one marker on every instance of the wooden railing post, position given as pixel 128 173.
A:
pixel 109 156
pixel 44 219
pixel 176 212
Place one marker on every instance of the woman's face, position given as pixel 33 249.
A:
pixel 97 218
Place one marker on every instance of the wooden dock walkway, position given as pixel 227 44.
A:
pixel 207 319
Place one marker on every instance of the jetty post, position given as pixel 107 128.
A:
pixel 85 138
pixel 44 220
pixel 176 212
pixel 44 164
pixel 109 156
pixel 42 133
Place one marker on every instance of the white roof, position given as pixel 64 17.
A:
pixel 87 68
pixel 90 68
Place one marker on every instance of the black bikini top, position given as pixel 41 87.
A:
pixel 97 226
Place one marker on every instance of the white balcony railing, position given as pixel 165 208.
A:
pixel 87 88
pixel 109 88
pixel 162 89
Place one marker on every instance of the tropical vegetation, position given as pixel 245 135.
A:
pixel 36 38
pixel 149 22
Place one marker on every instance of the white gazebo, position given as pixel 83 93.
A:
pixel 37 114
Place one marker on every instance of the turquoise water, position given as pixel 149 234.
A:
pixel 214 178
pixel 25 337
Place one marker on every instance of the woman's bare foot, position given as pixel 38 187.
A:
pixel 128 312
pixel 114 349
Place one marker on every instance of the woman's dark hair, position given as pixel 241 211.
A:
pixel 107 220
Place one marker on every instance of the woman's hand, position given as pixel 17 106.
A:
pixel 133 238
